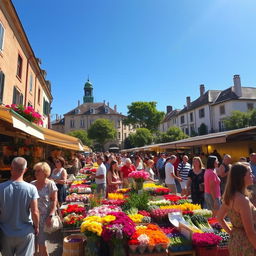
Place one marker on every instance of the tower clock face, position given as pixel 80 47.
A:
pixel 87 93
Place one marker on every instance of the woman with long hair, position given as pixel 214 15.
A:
pixel 47 203
pixel 59 176
pixel 113 177
pixel 237 206
pixel 212 185
pixel 195 182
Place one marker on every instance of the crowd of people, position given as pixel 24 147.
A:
pixel 25 208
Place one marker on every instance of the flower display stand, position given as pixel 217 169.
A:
pixel 207 251
pixel 73 245
pixel 189 253
pixel 223 251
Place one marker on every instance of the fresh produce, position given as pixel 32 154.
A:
pixel 202 223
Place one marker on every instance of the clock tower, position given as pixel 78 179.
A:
pixel 88 96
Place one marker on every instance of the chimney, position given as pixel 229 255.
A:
pixel 202 90
pixel 78 104
pixel 115 108
pixel 56 117
pixel 188 101
pixel 168 109
pixel 104 102
pixel 237 85
pixel 108 104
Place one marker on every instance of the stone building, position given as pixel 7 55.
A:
pixel 83 116
pixel 22 81
pixel 211 108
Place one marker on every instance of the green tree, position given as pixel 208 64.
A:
pixel 101 131
pixel 144 114
pixel 173 134
pixel 141 137
pixel 82 135
pixel 252 117
pixel 202 130
pixel 237 120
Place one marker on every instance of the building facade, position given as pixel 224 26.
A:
pixel 211 108
pixel 22 81
pixel 83 116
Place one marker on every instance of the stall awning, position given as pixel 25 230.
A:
pixel 20 123
pixel 61 140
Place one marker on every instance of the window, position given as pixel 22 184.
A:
pixel 191 117
pixel 249 106
pixel 125 135
pixel 106 110
pixel 72 123
pixel 192 129
pixel 182 119
pixel 1 37
pixel 119 135
pixel 17 97
pixel 91 110
pixel 222 110
pixel 119 124
pixel 19 67
pixel 1 86
pixel 201 113
pixel 39 96
pixel 46 107
pixel 82 123
pixel 31 83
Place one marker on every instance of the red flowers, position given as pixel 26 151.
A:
pixel 73 208
pixel 205 239
pixel 28 113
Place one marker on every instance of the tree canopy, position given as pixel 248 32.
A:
pixel 144 114
pixel 140 138
pixel 82 135
pixel 173 134
pixel 237 120
pixel 101 131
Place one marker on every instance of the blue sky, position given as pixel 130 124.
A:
pixel 140 50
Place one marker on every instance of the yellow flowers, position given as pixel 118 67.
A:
pixel 182 207
pixel 94 223
pixel 149 186
pixel 115 196
pixel 92 226
pixel 136 218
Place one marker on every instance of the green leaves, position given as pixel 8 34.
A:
pixel 101 131
pixel 144 114
pixel 173 134
pixel 82 135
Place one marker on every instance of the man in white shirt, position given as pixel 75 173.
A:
pixel 170 174
pixel 100 177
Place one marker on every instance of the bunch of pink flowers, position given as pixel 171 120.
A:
pixel 139 175
pixel 28 113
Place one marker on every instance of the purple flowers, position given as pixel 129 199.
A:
pixel 205 239
pixel 121 228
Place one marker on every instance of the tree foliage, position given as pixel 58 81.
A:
pixel 202 130
pixel 140 138
pixel 101 131
pixel 144 114
pixel 173 134
pixel 238 120
pixel 82 135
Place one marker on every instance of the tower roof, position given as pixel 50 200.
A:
pixel 88 84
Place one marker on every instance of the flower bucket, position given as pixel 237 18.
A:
pixel 73 245
pixel 223 251
pixel 207 250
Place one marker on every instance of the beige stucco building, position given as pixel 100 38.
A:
pixel 22 81
pixel 83 116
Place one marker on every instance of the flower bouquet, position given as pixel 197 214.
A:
pixel 73 220
pixel 103 210
pixel 206 243
pixel 139 177
pixel 73 208
pixel 28 113
pixel 117 232
pixel 77 198
pixel 117 202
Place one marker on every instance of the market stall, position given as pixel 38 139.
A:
pixel 142 220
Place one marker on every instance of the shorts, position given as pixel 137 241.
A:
pixel 209 201
pixel 183 184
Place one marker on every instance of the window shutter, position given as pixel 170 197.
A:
pixel 1 86
pixel 21 99
pixel 14 95
pixel 1 36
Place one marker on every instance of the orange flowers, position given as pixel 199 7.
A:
pixel 156 236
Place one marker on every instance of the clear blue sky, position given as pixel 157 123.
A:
pixel 140 50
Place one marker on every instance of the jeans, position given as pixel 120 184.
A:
pixel 101 189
